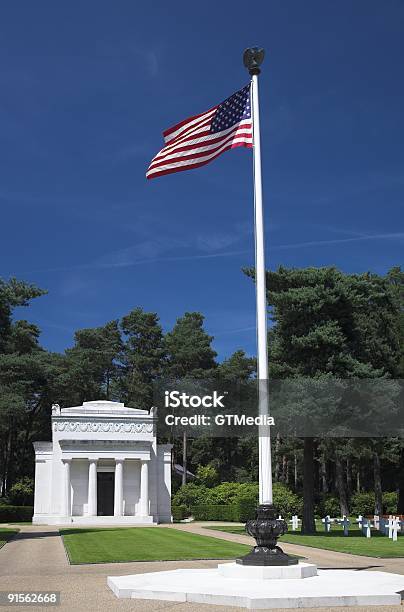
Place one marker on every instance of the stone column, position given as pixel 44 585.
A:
pixel 66 509
pixel 92 488
pixel 118 497
pixel 144 488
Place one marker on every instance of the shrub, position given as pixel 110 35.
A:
pixel 390 502
pixel 363 503
pixel 286 502
pixel 179 512
pixel 228 492
pixel 328 505
pixel 215 512
pixel 8 514
pixel 190 494
pixel 22 492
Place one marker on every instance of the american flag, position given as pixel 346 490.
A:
pixel 197 140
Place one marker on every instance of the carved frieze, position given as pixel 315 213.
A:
pixel 103 427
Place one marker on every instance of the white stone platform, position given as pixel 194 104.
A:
pixel 211 586
pixel 269 572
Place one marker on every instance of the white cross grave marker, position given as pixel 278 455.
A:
pixel 295 522
pixel 376 521
pixel 327 523
pixel 366 528
pixel 395 529
pixel 345 522
pixel 390 525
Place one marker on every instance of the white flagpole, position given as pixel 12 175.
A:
pixel 264 440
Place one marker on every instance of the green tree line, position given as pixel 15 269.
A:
pixel 323 323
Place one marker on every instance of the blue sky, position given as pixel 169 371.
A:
pixel 87 89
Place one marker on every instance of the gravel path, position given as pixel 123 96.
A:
pixel 35 560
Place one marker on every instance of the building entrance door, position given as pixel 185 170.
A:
pixel 105 493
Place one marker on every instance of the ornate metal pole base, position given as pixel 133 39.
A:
pixel 266 529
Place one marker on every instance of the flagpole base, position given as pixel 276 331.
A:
pixel 266 529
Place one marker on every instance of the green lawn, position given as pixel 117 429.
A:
pixel 356 544
pixel 144 544
pixel 6 535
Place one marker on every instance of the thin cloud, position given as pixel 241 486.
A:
pixel 139 262
pixel 216 241
pixel 360 238
pixel 172 258
pixel 122 259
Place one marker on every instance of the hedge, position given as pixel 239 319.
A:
pixel 239 512
pixel 215 512
pixel 179 512
pixel 230 493
pixel 246 509
pixel 8 514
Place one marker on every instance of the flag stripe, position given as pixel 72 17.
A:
pixel 203 127
pixel 201 158
pixel 201 138
pixel 177 130
pixel 204 137
pixel 208 155
pixel 170 168
pixel 192 146
pixel 200 151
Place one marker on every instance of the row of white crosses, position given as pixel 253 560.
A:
pixel 393 524
pixel 388 527
pixel 294 522
pixel 328 521
pixel 345 522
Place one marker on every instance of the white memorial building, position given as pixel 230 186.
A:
pixel 103 466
